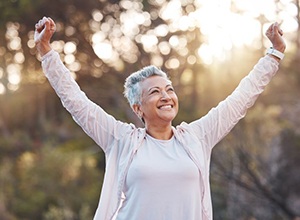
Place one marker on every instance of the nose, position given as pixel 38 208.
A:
pixel 165 96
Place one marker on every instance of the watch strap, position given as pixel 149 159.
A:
pixel 275 53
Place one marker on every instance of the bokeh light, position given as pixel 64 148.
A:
pixel 117 39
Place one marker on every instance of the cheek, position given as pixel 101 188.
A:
pixel 148 103
pixel 176 102
pixel 175 99
pixel 149 100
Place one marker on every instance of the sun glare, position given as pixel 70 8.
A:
pixel 224 24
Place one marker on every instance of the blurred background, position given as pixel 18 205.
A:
pixel 49 169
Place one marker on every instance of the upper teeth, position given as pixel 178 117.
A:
pixel 166 107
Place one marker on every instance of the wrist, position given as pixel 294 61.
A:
pixel 275 53
pixel 43 47
pixel 280 49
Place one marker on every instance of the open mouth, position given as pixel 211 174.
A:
pixel 166 107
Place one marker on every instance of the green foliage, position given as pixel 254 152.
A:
pixel 16 10
pixel 39 182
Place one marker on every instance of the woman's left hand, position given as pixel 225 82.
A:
pixel 274 33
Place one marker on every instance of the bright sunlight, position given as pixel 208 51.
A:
pixel 224 24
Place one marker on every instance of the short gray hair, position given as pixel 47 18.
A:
pixel 132 89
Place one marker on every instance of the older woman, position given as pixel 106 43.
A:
pixel 158 172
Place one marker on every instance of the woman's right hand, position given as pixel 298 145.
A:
pixel 44 30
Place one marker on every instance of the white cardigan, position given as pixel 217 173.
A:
pixel 120 141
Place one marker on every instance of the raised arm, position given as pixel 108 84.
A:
pixel 221 119
pixel 100 126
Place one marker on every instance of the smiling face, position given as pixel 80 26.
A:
pixel 159 102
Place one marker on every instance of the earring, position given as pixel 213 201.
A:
pixel 140 114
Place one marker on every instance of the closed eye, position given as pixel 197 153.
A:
pixel 171 89
pixel 154 91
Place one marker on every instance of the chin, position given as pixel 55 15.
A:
pixel 169 118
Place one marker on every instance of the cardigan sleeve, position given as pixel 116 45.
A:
pixel 100 126
pixel 218 122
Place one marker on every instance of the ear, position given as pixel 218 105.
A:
pixel 137 110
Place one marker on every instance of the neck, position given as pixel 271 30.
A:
pixel 161 133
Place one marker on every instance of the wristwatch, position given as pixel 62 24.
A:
pixel 275 53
